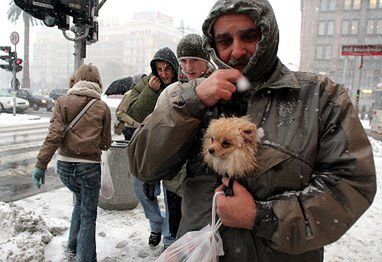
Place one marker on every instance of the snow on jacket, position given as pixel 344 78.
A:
pixel 317 173
pixel 88 137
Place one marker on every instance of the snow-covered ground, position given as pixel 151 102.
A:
pixel 36 228
pixel 7 120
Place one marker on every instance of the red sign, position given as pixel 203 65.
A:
pixel 361 50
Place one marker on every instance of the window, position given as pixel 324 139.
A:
pixel 345 27
pixel 349 27
pixel 356 4
pixel 352 4
pixel 374 26
pixel 324 52
pixel 330 29
pixel 354 27
pixel 321 28
pixel 325 28
pixel 379 27
pixel 332 5
pixel 328 52
pixel 324 4
pixel 370 27
pixel 347 4
pixel 373 4
pixel 328 5
pixel 319 52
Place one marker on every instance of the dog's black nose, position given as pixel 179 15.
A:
pixel 211 151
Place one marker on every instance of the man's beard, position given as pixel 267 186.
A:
pixel 242 61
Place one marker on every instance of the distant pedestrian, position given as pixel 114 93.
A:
pixel 79 155
pixel 126 125
pixel 370 113
pixel 363 112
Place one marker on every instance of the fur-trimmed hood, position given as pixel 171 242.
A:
pixel 85 88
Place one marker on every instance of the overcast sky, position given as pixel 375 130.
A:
pixel 192 12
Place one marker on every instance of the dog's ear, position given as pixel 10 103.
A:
pixel 249 132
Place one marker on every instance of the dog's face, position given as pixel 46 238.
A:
pixel 230 146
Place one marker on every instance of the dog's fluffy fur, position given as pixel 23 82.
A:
pixel 230 146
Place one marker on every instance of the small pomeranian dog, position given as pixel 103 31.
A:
pixel 230 147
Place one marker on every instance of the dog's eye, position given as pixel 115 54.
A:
pixel 211 139
pixel 226 144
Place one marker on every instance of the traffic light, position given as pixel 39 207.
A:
pixel 6 58
pixel 12 56
pixel 19 67
pixel 56 12
pixel 49 11
pixel 92 36
pixel 82 11
pixel 6 49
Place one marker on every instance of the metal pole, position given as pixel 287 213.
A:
pixel 345 68
pixel 14 82
pixel 79 48
pixel 359 85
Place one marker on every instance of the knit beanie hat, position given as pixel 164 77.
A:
pixel 86 72
pixel 191 46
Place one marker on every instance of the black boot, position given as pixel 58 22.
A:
pixel 154 239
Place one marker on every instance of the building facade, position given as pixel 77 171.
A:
pixel 326 26
pixel 123 48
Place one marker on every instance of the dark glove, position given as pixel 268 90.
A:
pixel 149 190
pixel 38 177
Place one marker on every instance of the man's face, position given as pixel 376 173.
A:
pixel 165 72
pixel 235 37
pixel 193 68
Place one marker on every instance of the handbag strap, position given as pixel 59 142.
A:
pixel 80 114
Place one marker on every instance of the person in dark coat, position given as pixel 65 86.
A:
pixel 316 173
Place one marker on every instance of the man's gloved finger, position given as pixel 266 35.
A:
pixel 43 179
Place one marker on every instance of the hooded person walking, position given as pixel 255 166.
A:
pixel 140 102
pixel 79 155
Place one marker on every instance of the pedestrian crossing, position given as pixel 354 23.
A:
pixel 19 146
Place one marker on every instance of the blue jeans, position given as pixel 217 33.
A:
pixel 84 180
pixel 158 221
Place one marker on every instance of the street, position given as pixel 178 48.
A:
pixel 19 147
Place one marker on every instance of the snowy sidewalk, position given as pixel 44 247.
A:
pixel 36 229
pixel 123 235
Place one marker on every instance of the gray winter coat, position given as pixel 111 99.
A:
pixel 317 174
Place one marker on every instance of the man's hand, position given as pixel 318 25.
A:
pixel 238 210
pixel 219 85
pixel 154 83
pixel 38 177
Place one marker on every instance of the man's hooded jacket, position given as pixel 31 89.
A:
pixel 316 175
pixel 142 98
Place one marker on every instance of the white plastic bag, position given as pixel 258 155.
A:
pixel 107 187
pixel 204 245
